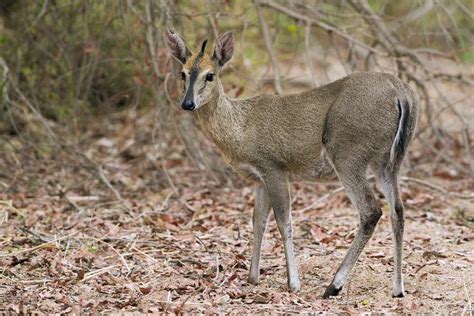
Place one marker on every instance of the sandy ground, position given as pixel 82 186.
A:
pixel 195 257
pixel 438 268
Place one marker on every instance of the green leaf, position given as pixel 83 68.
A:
pixel 468 57
pixel 92 248
pixel 292 28
pixel 375 5
pixel 26 71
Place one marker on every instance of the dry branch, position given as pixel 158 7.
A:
pixel 320 24
pixel 8 81
pixel 268 47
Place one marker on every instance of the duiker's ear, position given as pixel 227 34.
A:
pixel 224 49
pixel 176 46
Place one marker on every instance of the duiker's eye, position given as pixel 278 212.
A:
pixel 183 75
pixel 209 77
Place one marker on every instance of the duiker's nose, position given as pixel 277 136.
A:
pixel 188 105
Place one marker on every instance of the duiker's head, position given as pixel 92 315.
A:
pixel 199 71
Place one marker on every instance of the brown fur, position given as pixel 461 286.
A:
pixel 286 132
pixel 343 128
pixel 205 62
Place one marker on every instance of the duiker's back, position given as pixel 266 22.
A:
pixel 290 131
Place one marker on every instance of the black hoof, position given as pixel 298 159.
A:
pixel 399 295
pixel 331 291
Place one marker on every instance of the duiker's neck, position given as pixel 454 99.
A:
pixel 221 119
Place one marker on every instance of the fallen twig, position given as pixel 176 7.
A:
pixel 438 188
pixel 96 273
pixel 324 197
pixel 47 245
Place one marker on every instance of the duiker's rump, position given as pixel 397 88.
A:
pixel 363 120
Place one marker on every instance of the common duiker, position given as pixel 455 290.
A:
pixel 362 121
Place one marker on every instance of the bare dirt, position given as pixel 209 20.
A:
pixel 68 245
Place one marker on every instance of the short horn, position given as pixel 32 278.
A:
pixel 203 47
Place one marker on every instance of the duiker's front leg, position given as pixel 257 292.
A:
pixel 260 219
pixel 277 187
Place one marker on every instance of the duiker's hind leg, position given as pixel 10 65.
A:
pixel 364 200
pixel 260 219
pixel 389 180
